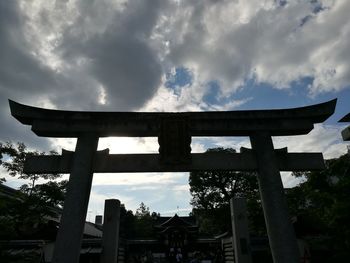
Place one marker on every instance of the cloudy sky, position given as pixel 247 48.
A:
pixel 173 55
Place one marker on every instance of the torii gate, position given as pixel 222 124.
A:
pixel 174 132
pixel 346 132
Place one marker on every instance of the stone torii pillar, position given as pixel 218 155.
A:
pixel 70 232
pixel 110 236
pixel 240 231
pixel 346 132
pixel 281 234
pixel 174 132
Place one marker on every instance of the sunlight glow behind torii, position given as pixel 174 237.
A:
pixel 129 145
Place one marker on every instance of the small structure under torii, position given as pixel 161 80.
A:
pixel 174 132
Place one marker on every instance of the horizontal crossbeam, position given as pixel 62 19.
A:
pixel 279 122
pixel 129 163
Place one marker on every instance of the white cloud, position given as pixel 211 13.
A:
pixel 97 200
pixel 158 191
pixel 129 145
pixel 133 179
pixel 189 98
pixel 231 41
pixel 114 55
pixel 323 138
pixel 179 211
pixel 59 144
pixel 289 180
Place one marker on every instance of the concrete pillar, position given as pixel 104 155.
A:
pixel 110 236
pixel 281 234
pixel 70 233
pixel 241 240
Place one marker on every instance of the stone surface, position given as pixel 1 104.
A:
pixel 70 233
pixel 346 134
pixel 259 125
pixel 282 239
pixel 56 123
pixel 241 240
pixel 115 163
pixel 110 237
pixel 174 141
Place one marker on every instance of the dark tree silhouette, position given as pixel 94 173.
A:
pixel 322 200
pixel 35 201
pixel 211 193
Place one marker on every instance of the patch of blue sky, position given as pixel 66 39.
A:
pixel 281 2
pixel 266 96
pixel 304 20
pixel 178 79
pixel 212 97
pixel 317 7
pixel 259 95
pixel 343 103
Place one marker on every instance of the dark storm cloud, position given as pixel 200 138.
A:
pixel 22 76
pixel 20 72
pixel 120 57
pixel 112 54
pixel 105 54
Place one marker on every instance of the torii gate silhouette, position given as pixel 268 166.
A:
pixel 174 132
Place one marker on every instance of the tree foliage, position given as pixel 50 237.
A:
pixel 323 198
pixel 13 157
pixel 142 211
pixel 321 202
pixel 127 223
pixel 211 193
pixel 139 225
pixel 35 201
pixel 213 189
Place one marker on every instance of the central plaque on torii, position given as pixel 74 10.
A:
pixel 174 132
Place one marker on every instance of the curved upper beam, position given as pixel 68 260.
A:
pixel 58 123
pixel 346 118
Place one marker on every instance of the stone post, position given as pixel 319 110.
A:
pixel 98 220
pixel 70 233
pixel 110 236
pixel 241 240
pixel 281 234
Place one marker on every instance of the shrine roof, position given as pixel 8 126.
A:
pixel 177 221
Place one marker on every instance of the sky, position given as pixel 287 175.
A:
pixel 173 55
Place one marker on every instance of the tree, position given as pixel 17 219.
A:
pixel 14 163
pixel 211 193
pixel 324 199
pixel 35 201
pixel 6 149
pixel 144 221
pixel 142 211
pixel 127 223
pixel 139 225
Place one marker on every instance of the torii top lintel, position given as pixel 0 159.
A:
pixel 278 122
